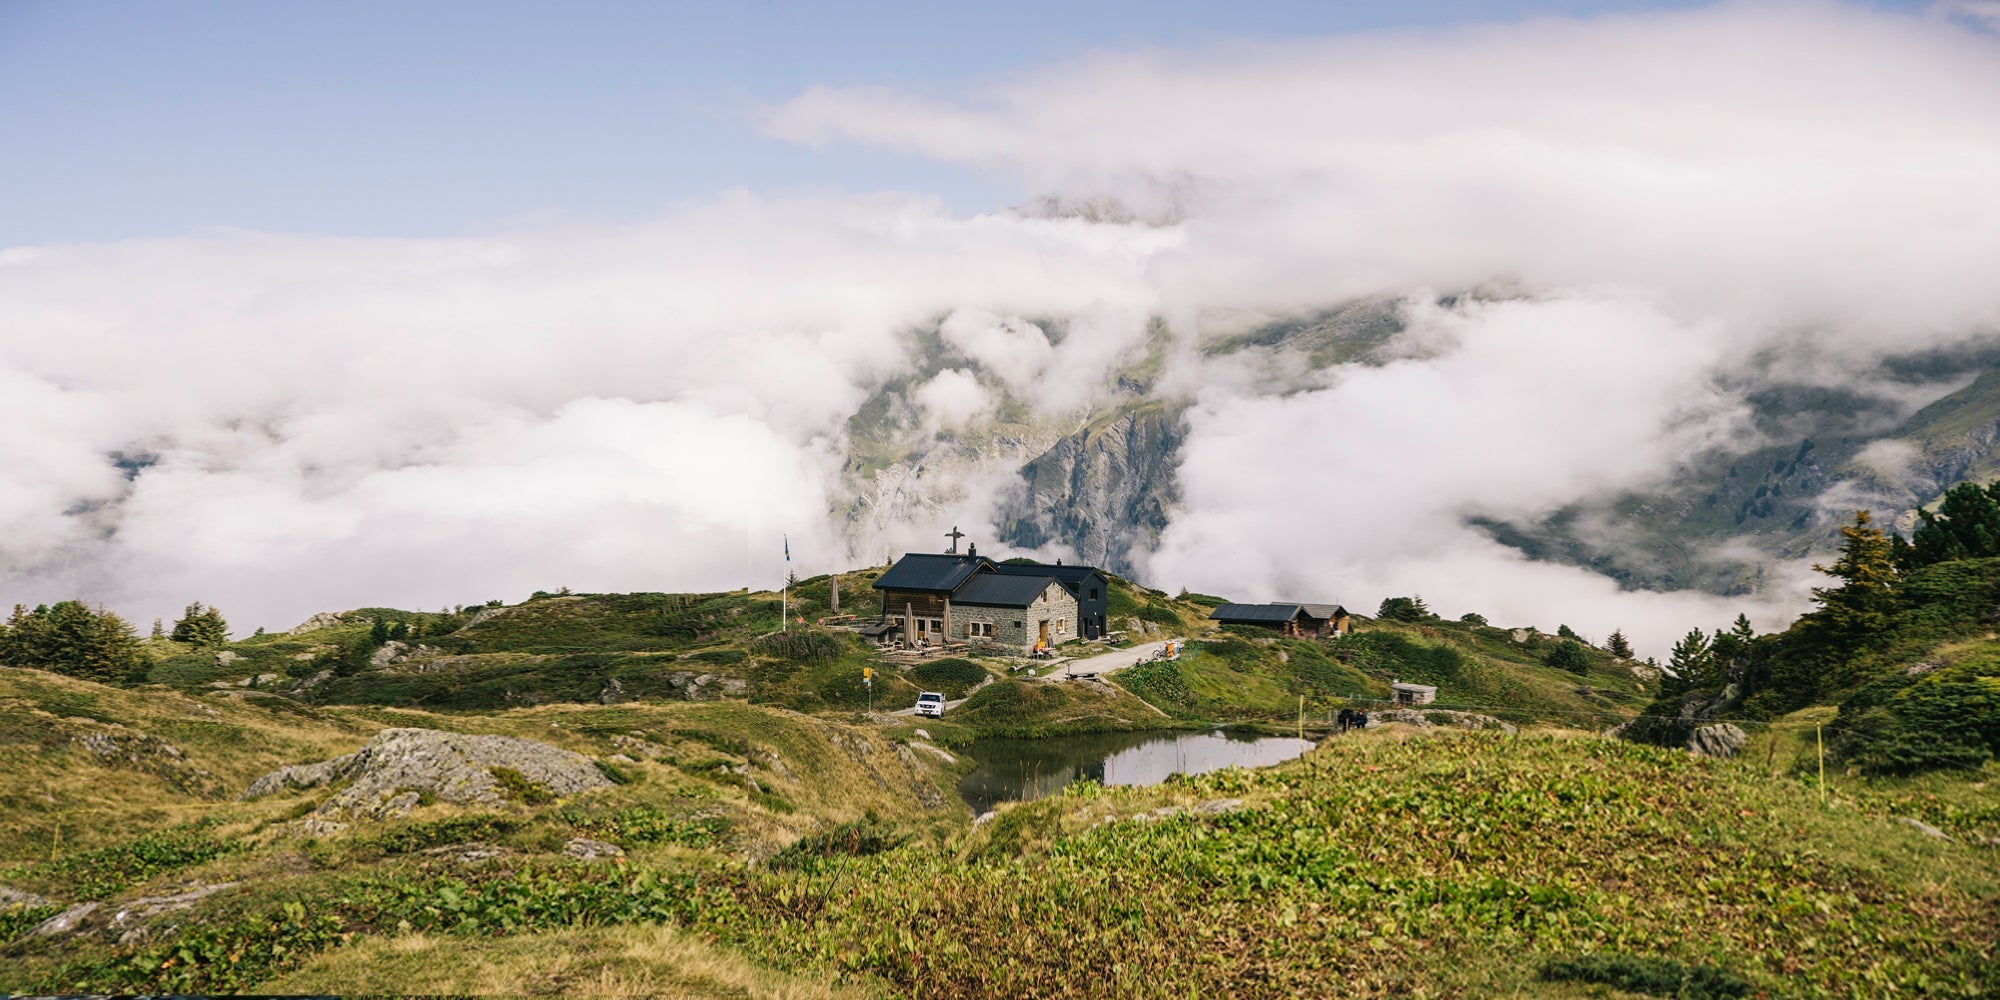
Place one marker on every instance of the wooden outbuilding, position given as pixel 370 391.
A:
pixel 1312 621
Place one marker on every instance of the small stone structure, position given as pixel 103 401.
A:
pixel 1414 694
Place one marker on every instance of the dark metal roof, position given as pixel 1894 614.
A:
pixel 1255 614
pixel 1272 614
pixel 930 571
pixel 1001 590
pixel 1071 577
pixel 1328 611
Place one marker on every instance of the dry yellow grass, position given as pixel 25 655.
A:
pixel 647 961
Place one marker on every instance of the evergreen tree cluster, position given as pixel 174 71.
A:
pixel 1893 602
pixel 1404 609
pixel 1966 525
pixel 71 638
pixel 201 627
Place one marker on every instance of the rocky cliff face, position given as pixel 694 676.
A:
pixel 1101 490
pixel 1103 481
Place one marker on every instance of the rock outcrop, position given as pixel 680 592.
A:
pixel 396 651
pixel 1437 717
pixel 121 748
pixel 11 898
pixel 1720 740
pixel 400 767
pixel 325 619
pixel 129 922
pixel 1924 828
pixel 1101 490
pixel 592 850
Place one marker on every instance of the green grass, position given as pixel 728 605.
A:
pixel 1452 864
pixel 1019 708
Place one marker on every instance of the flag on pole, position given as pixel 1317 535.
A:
pixel 788 548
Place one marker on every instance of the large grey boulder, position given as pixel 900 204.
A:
pixel 400 766
pixel 1720 740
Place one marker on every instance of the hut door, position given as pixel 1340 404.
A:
pixel 1045 633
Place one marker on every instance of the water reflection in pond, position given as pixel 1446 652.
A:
pixel 1022 770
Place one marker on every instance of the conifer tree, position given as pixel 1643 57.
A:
pixel 1861 604
pixel 201 627
pixel 1569 655
pixel 1565 632
pixel 1617 645
pixel 1692 660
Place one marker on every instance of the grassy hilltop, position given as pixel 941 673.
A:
pixel 610 648
pixel 779 842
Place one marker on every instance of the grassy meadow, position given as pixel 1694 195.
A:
pixel 1391 863
pixel 779 842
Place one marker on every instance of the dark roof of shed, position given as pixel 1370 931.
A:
pixel 1324 610
pixel 1001 590
pixel 930 571
pixel 1256 614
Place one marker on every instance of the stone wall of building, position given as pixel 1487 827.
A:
pixel 1020 627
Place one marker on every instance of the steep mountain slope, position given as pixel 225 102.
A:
pixel 1818 455
pixel 1101 480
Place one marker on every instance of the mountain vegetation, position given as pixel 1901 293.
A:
pixel 1903 646
pixel 756 831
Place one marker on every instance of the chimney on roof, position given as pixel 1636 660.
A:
pixel 972 548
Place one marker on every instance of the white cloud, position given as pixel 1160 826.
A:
pixel 1015 350
pixel 953 399
pixel 346 422
pixel 1807 162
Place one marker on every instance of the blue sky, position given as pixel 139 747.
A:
pixel 422 119
pixel 1681 194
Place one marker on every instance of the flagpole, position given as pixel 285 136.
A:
pixel 785 598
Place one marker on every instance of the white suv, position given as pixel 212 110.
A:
pixel 930 703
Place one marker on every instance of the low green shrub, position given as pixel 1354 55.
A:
pixel 1660 977
pixel 103 871
pixel 952 676
pixel 409 838
pixel 647 825
pixel 1161 682
pixel 520 788
pixel 806 645
pixel 19 920
pixel 853 839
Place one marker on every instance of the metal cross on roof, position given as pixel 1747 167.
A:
pixel 954 534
